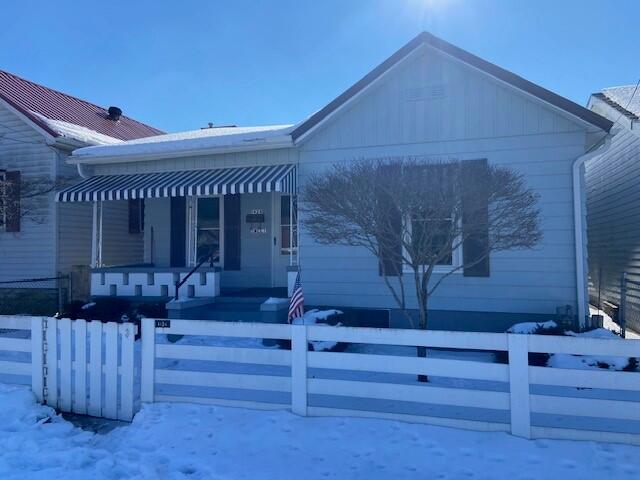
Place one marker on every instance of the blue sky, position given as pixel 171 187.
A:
pixel 178 65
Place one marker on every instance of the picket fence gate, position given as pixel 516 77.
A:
pixel 90 367
pixel 76 366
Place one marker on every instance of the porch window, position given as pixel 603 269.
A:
pixel 288 220
pixel 208 229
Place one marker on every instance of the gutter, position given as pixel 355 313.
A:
pixel 268 144
pixel 578 223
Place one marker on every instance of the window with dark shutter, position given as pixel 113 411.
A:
pixel 136 215
pixel 232 229
pixel 476 244
pixel 10 202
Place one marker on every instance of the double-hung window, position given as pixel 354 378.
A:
pixel 431 237
pixel 288 229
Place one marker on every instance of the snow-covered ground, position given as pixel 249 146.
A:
pixel 609 324
pixel 177 441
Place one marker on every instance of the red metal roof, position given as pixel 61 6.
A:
pixel 29 97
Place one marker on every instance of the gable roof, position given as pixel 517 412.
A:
pixel 426 38
pixel 39 104
pixel 625 99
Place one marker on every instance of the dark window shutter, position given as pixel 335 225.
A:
pixel 178 234
pixel 12 189
pixel 475 255
pixel 136 215
pixel 390 261
pixel 232 229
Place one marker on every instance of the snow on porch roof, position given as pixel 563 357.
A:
pixel 191 142
pixel 271 178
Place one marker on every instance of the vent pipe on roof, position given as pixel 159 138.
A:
pixel 114 113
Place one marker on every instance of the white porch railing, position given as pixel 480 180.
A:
pixel 154 282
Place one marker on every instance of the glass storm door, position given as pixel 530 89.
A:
pixel 208 229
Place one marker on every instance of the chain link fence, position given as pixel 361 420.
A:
pixel 35 296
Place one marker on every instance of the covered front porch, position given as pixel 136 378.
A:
pixel 191 234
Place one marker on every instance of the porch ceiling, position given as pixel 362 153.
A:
pixel 272 178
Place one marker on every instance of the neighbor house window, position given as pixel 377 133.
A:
pixel 3 199
pixel 208 229
pixel 288 228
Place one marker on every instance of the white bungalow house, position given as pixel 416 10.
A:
pixel 231 192
pixel 40 239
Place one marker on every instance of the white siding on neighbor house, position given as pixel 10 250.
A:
pixel 29 253
pixel 119 247
pixel 437 108
pixel 75 223
pixel 613 213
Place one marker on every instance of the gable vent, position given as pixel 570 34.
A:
pixel 428 92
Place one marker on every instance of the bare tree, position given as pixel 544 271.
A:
pixel 417 216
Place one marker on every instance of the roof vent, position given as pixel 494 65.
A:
pixel 114 113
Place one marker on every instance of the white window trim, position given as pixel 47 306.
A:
pixel 456 260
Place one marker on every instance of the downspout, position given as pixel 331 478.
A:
pixel 578 223
pixel 81 171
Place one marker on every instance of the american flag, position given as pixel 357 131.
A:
pixel 296 304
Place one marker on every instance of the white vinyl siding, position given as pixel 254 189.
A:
pixel 471 117
pixel 31 252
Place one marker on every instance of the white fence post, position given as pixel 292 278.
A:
pixel 147 382
pixel 519 385
pixel 65 365
pixel 51 362
pixel 37 357
pixel 299 369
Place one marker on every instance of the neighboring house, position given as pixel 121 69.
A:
pixel 39 128
pixel 229 191
pixel 613 204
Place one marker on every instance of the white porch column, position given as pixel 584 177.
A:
pixel 96 235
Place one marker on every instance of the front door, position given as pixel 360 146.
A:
pixel 208 240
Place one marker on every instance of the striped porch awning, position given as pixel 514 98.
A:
pixel 272 178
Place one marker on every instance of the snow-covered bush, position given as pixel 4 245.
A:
pixel 564 360
pixel 319 317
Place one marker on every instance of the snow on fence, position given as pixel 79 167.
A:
pixel 528 401
pixel 76 366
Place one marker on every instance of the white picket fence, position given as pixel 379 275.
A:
pixel 76 366
pixel 90 368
